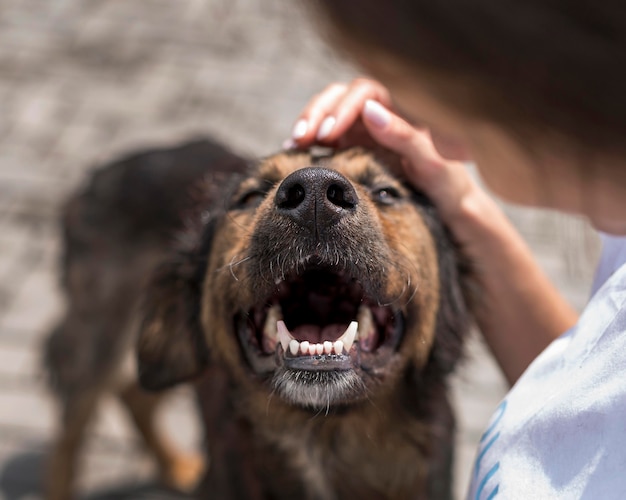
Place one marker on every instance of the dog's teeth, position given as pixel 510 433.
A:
pixel 366 321
pixel 338 345
pixel 307 348
pixel 304 347
pixel 294 347
pixel 274 314
pixel 367 329
pixel 284 337
pixel 348 337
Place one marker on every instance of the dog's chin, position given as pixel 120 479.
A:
pixel 319 340
pixel 319 390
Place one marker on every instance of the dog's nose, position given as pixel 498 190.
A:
pixel 316 197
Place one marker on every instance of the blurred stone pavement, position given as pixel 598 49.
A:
pixel 84 81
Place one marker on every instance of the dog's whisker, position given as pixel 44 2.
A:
pixel 316 414
pixel 410 298
pixel 232 264
pixel 401 269
pixel 269 401
pixel 245 230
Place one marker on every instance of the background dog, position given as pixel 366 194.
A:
pixel 320 307
pixel 115 231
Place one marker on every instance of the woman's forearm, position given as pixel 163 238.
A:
pixel 519 311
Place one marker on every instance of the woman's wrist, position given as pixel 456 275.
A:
pixel 477 221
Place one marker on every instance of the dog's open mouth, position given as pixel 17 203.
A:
pixel 320 320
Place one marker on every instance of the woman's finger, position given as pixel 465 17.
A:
pixel 394 133
pixel 308 123
pixel 347 110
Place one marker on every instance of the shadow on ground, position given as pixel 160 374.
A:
pixel 145 491
pixel 20 479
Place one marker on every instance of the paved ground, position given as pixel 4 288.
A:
pixel 83 81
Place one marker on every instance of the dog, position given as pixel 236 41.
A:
pixel 319 305
pixel 115 231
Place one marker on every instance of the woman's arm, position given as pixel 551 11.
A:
pixel 519 311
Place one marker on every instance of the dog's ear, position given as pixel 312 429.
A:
pixel 171 346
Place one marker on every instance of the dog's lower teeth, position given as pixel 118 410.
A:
pixel 348 337
pixel 294 347
pixel 306 348
pixel 338 345
pixel 328 347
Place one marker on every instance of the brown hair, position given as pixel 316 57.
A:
pixel 544 68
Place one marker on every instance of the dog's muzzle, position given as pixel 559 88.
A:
pixel 324 326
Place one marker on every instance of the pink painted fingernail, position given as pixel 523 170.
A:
pixel 376 114
pixel 290 144
pixel 326 127
pixel 300 129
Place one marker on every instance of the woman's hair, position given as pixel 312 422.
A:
pixel 553 69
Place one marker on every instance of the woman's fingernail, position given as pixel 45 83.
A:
pixel 376 114
pixel 326 127
pixel 300 129
pixel 290 144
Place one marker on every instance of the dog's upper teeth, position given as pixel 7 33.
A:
pixel 284 337
pixel 274 314
pixel 367 330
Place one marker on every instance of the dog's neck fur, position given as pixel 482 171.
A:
pixel 335 462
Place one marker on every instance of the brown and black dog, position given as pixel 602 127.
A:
pixel 318 303
pixel 321 305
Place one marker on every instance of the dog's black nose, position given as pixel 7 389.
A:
pixel 316 197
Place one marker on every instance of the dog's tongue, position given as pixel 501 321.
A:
pixel 316 334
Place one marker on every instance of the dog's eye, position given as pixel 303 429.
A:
pixel 250 199
pixel 386 195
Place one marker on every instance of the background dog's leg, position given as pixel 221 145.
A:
pixel 179 470
pixel 61 468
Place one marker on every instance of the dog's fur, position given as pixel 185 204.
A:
pixel 115 230
pixel 326 239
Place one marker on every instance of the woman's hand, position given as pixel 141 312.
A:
pixel 362 113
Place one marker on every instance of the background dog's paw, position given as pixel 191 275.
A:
pixel 185 472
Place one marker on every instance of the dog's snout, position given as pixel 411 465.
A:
pixel 315 197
